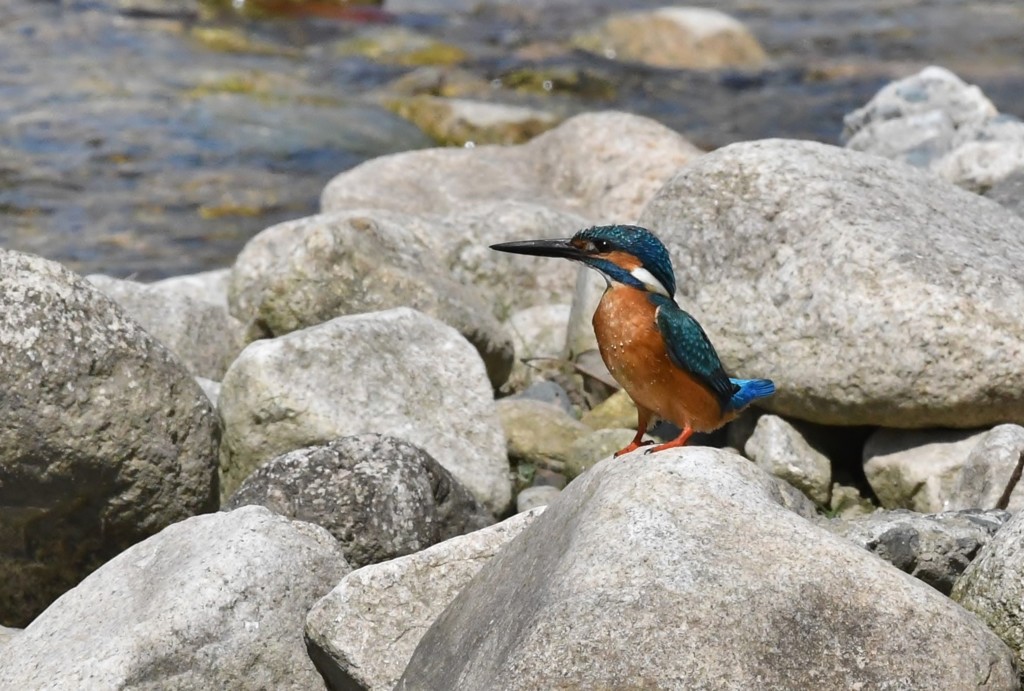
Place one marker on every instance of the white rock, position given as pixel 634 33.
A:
pixel 871 292
pixel 397 372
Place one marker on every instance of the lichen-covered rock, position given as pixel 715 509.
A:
pixel 685 572
pixel 380 497
pixel 992 587
pixel 397 372
pixel 804 261
pixel 595 446
pixel 215 601
pixel 933 547
pixel 105 439
pixel 458 121
pixel 308 271
pixel 362 634
pixel 200 332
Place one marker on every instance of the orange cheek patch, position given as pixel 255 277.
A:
pixel 623 259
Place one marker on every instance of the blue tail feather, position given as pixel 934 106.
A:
pixel 750 390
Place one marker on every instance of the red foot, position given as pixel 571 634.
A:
pixel 678 441
pixel 633 446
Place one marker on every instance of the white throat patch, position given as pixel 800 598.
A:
pixel 652 284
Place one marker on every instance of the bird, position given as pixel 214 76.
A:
pixel 652 347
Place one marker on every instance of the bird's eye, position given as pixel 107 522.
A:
pixel 602 245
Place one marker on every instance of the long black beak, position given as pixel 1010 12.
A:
pixel 542 248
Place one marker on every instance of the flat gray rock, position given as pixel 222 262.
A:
pixel 380 497
pixel 935 548
pixel 308 271
pixel 105 439
pixel 684 571
pixel 362 634
pixel 397 372
pixel 835 274
pixel 215 601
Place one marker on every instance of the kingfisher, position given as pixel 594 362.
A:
pixel 652 347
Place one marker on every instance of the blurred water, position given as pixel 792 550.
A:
pixel 140 145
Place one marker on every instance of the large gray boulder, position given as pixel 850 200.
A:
pixel 576 167
pixel 362 634
pixel 200 332
pixel 308 271
pixel 871 292
pixel 993 585
pixel 397 372
pixel 380 497
pixel 215 601
pixel 105 439
pixel 683 571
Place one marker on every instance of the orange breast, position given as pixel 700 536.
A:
pixel 634 352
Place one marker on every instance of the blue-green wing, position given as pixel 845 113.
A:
pixel 690 350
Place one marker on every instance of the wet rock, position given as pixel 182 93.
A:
pixel 405 374
pixel 534 497
pixel 935 548
pixel 362 634
pixel 380 497
pixel 916 469
pixel 591 448
pixel 574 168
pixel 398 45
pixel 677 37
pixel 827 259
pixel 780 450
pixel 305 272
pixel 457 122
pixel 670 554
pixel 105 439
pixel 992 587
pixel 982 479
pixel 200 332
pixel 214 601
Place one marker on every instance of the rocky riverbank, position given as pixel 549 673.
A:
pixel 412 469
